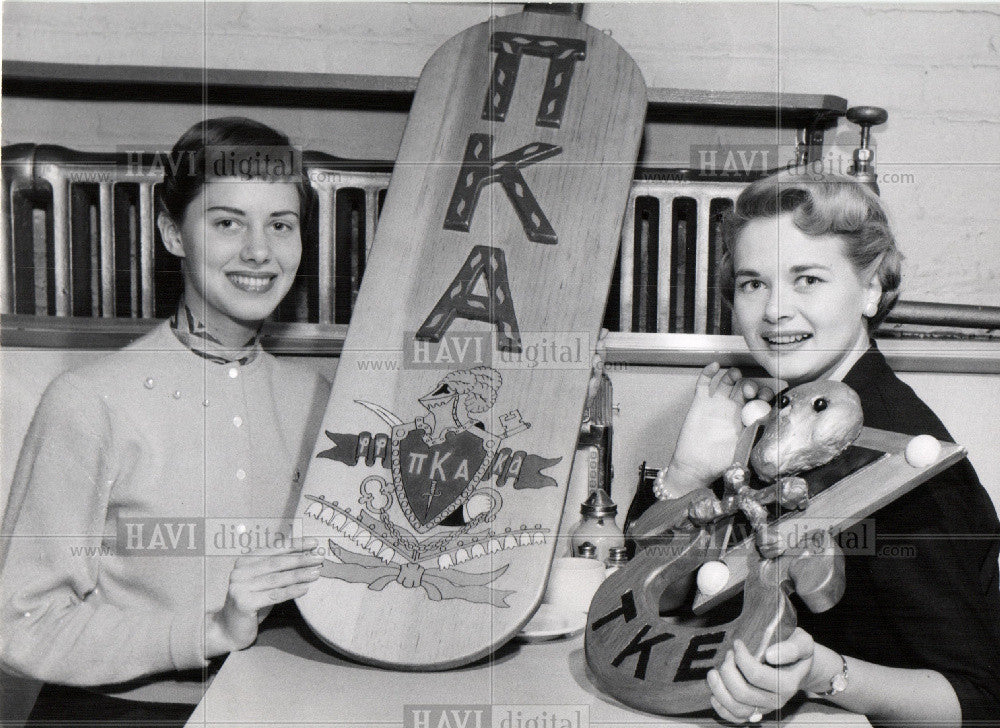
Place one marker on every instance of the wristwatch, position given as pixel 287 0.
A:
pixel 838 683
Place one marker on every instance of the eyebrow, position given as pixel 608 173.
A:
pixel 237 211
pixel 793 269
pixel 812 266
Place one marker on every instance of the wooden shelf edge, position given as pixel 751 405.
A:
pixel 623 349
pixel 18 75
pixel 18 331
pixel 98 74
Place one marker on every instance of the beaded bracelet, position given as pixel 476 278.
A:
pixel 660 485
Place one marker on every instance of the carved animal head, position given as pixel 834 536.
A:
pixel 809 426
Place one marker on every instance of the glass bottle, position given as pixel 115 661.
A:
pixel 597 525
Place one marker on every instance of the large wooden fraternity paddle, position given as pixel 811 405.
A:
pixel 438 480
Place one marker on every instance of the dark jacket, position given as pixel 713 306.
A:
pixel 929 597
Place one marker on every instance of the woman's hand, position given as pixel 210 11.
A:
pixel 261 578
pixel 744 688
pixel 711 428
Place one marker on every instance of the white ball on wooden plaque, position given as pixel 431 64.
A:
pixel 922 450
pixel 712 577
pixel 753 411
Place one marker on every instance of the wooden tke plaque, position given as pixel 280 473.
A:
pixel 439 478
pixel 652 633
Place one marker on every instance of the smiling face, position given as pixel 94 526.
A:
pixel 798 300
pixel 241 245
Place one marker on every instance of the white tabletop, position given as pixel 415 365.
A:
pixel 289 678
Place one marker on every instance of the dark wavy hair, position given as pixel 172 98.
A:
pixel 822 204
pixel 193 161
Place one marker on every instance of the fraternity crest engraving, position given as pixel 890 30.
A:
pixel 447 473
pixel 433 480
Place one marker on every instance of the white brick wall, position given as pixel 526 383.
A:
pixel 343 37
pixel 936 68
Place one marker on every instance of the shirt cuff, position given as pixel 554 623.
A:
pixel 187 640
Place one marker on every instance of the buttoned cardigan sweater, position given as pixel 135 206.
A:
pixel 137 487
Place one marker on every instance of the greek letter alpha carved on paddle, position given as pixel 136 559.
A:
pixel 480 292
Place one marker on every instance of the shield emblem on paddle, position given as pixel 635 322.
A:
pixel 432 481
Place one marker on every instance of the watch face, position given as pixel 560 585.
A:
pixel 838 683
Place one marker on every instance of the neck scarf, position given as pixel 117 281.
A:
pixel 195 336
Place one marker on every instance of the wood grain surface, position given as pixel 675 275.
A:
pixel 440 540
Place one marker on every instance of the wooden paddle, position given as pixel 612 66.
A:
pixel 439 478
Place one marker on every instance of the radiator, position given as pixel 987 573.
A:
pixel 671 243
pixel 79 239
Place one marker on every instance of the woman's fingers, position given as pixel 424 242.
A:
pixel 743 679
pixel 294 592
pixel 705 378
pixel 281 579
pixel 713 377
pixel 735 710
pixel 260 599
pixel 292 546
pixel 262 566
pixel 723 380
pixel 271 575
pixel 261 579
pixel 788 664
pixel 253 594
pixel 288 585
pixel 725 714
pixel 743 686
pixel 749 389
pixel 797 647
pixel 730 380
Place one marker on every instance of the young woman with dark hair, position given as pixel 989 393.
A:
pixel 115 589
